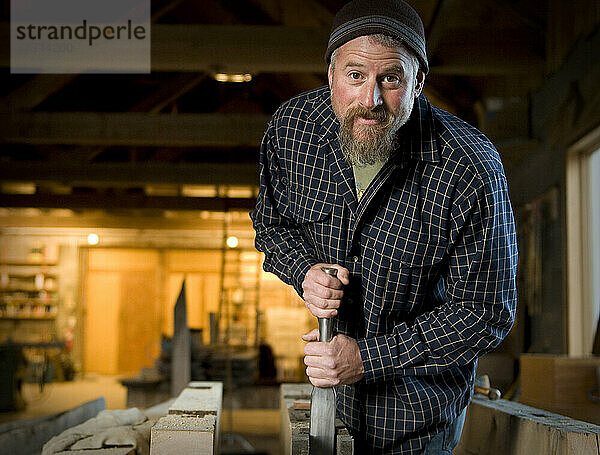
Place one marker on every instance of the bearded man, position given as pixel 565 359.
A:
pixel 410 205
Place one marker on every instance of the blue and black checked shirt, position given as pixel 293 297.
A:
pixel 430 247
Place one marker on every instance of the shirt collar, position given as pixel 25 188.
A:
pixel 417 138
pixel 322 114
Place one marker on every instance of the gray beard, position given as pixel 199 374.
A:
pixel 380 141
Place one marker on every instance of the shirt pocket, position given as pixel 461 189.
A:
pixel 411 276
pixel 311 207
pixel 311 198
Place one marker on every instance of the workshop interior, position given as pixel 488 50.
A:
pixel 129 279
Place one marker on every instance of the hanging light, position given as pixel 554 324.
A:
pixel 93 239
pixel 232 241
pixel 237 77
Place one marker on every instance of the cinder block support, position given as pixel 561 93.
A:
pixel 201 398
pixel 192 423
pixel 295 422
pixel 177 435
pixel 503 427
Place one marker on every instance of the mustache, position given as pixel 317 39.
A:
pixel 380 114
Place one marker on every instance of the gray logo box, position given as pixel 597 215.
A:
pixel 80 36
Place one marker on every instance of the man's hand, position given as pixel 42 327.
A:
pixel 322 292
pixel 333 363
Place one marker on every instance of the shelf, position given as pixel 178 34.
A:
pixel 29 263
pixel 29 301
pixel 30 289
pixel 27 318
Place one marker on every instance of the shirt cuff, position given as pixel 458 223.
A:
pixel 298 271
pixel 385 357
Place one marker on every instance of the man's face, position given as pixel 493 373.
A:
pixel 373 89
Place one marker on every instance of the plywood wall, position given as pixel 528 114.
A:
pixel 122 317
pixel 129 295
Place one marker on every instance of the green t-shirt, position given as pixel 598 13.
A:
pixel 364 175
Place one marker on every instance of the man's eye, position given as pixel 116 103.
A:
pixel 354 75
pixel 391 79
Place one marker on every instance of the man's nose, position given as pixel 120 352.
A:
pixel 371 95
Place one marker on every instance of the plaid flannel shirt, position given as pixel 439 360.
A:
pixel 431 251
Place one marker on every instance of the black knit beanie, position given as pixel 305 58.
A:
pixel 395 18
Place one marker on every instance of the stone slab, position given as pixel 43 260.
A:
pixel 29 436
pixel 295 423
pixel 109 451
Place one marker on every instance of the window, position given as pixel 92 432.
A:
pixel 583 234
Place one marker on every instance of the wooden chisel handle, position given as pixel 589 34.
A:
pixel 491 393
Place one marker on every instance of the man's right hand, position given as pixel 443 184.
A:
pixel 322 292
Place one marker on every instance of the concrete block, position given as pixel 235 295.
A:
pixel 200 398
pixel 177 435
pixel 295 422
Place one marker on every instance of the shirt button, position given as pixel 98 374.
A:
pixel 355 258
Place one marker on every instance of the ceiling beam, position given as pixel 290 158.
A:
pixel 122 201
pixel 34 91
pixel 129 174
pixel 438 25
pixel 238 48
pixel 286 49
pixel 481 59
pixel 132 129
pixel 168 93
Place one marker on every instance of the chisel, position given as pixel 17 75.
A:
pixel 322 405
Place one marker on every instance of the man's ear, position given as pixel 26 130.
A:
pixel 419 82
pixel 330 75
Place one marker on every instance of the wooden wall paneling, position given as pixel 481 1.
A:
pixel 123 259
pixel 122 324
pixel 139 325
pixel 193 261
pixel 101 322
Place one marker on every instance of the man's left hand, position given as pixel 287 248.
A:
pixel 334 363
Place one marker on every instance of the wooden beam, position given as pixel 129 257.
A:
pixel 480 59
pixel 287 49
pixel 238 48
pixel 133 129
pixel 503 427
pixel 34 91
pixel 129 174
pixel 123 201
pixel 438 25
pixel 16 222
pixel 168 93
